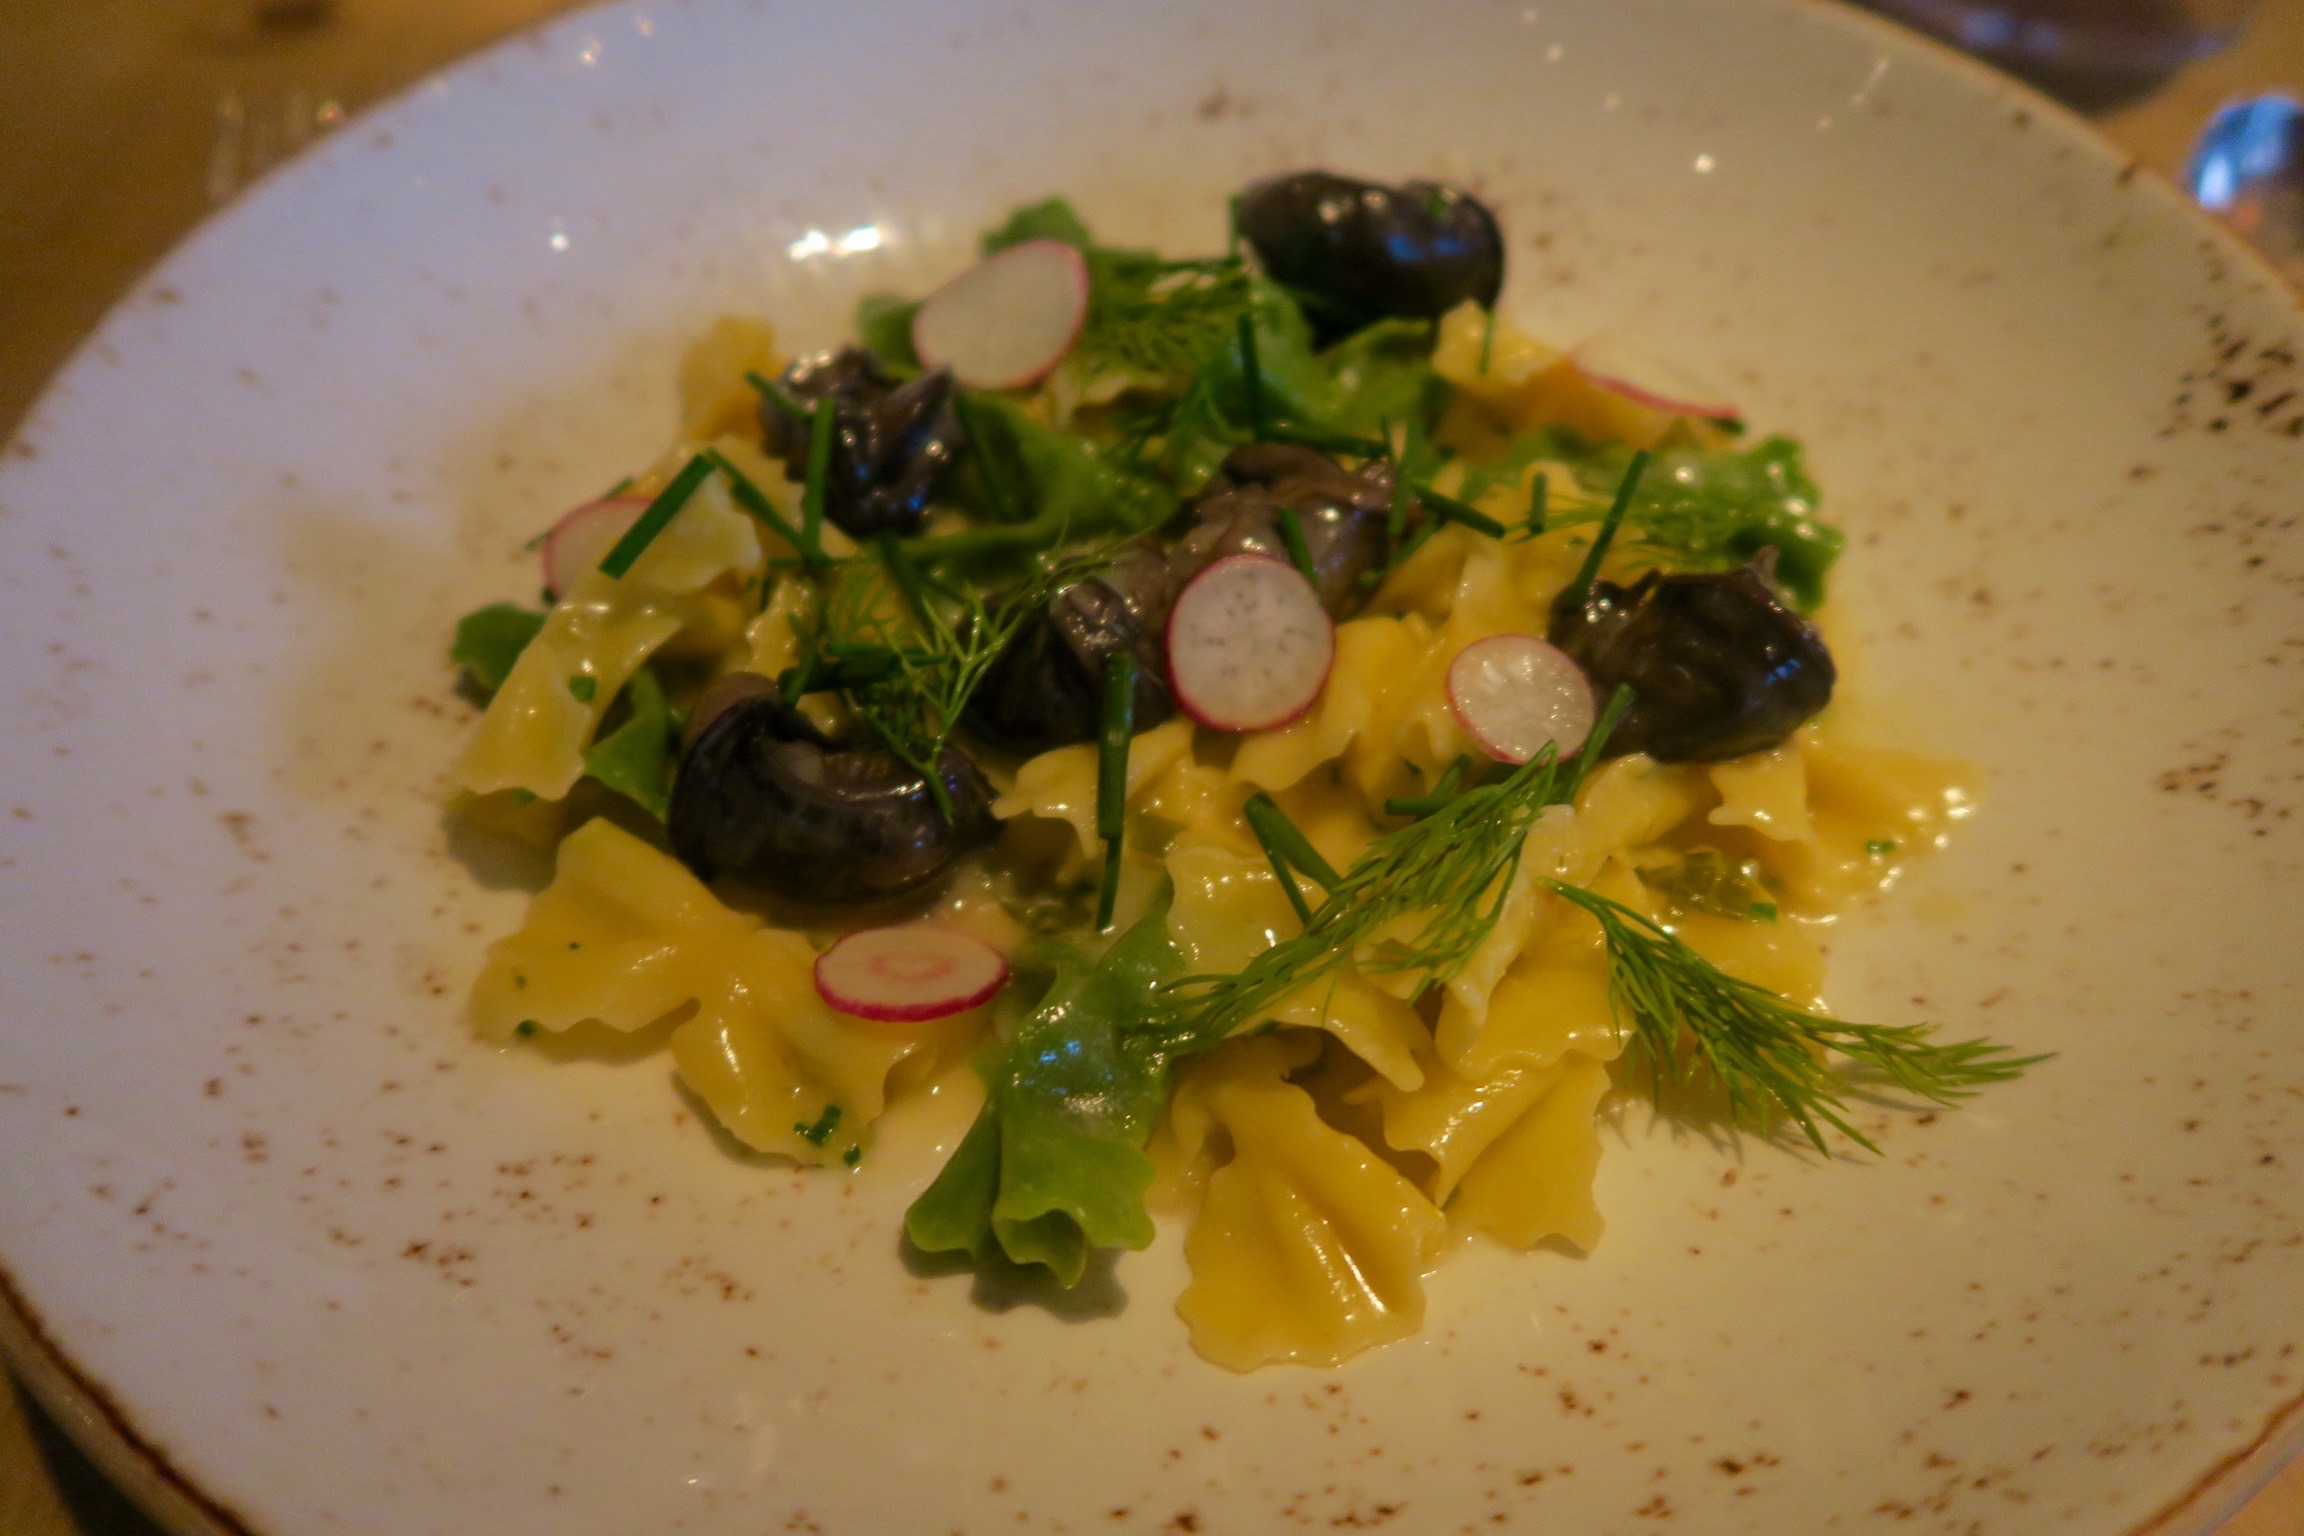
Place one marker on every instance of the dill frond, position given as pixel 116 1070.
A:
pixel 1766 1055
pixel 1452 870
pixel 908 651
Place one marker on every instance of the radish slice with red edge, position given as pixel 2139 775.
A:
pixel 1008 319
pixel 1645 383
pixel 582 539
pixel 1249 645
pixel 906 975
pixel 1513 693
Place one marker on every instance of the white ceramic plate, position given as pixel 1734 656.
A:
pixel 330 1266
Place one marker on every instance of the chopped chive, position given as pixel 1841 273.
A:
pixel 1299 552
pixel 1449 509
pixel 1880 847
pixel 835 674
pixel 618 489
pixel 1280 835
pixel 1119 728
pixel 584 687
pixel 819 476
pixel 1582 585
pixel 1326 442
pixel 667 504
pixel 1415 448
pixel 526 1028
pixel 1441 793
pixel 1596 740
pixel 1252 378
pixel 1761 912
pixel 755 501
pixel 853 1156
pixel 906 576
pixel 1286 849
pixel 819 1133
pixel 1539 499
pixel 1108 893
pixel 1488 340
pixel 1280 872
pixel 775 393
pixel 995 484
pixel 1112 747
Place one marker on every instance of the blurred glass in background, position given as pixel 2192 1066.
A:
pixel 2090 54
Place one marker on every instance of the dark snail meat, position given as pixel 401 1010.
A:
pixel 1355 252
pixel 1718 664
pixel 762 795
pixel 1046 689
pixel 890 440
pixel 1343 514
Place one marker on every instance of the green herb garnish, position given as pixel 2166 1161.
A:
pixel 1054 1165
pixel 820 1132
pixel 635 759
pixel 1539 492
pixel 1453 869
pixel 1880 847
pixel 661 511
pixel 752 499
pixel 1709 509
pixel 1332 443
pixel 1766 1055
pixel 1041 488
pixel 489 640
pixel 1118 731
pixel 1288 850
pixel 908 675
pixel 776 394
pixel 1449 509
pixel 1441 793
pixel 813 491
pixel 884 327
pixel 1299 552
pixel 1590 571
pixel 1707 880
pixel 1252 378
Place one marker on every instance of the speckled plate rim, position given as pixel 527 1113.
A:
pixel 104 1430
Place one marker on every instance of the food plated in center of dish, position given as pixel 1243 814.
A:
pixel 1301 738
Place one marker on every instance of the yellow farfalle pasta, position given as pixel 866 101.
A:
pixel 1534 1181
pixel 627 937
pixel 715 396
pixel 1060 786
pixel 1378 661
pixel 1307 1246
pixel 1364 1108
pixel 1829 821
pixel 1228 908
pixel 535 730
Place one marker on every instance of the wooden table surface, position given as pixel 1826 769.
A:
pixel 126 118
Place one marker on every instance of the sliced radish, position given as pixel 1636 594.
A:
pixel 1249 645
pixel 1514 693
pixel 582 539
pixel 1647 383
pixel 905 975
pixel 1008 319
